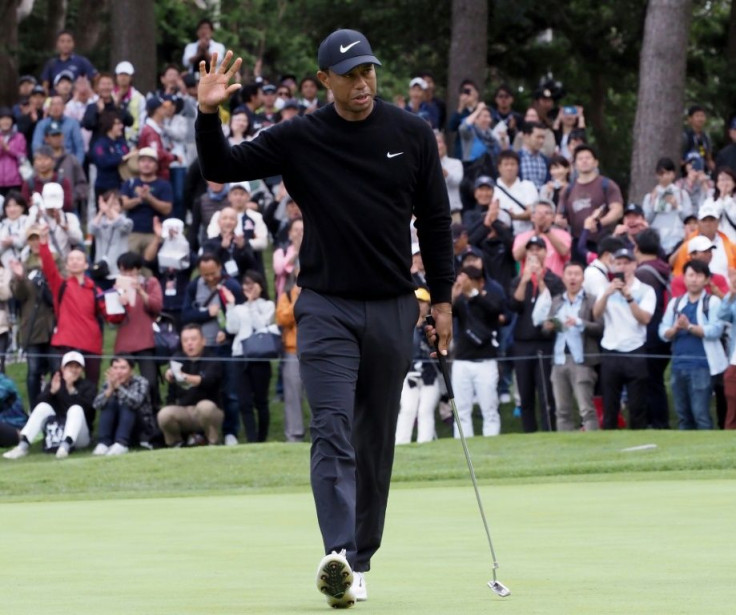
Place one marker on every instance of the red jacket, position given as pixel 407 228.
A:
pixel 136 326
pixel 77 325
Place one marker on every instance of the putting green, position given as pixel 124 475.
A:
pixel 575 548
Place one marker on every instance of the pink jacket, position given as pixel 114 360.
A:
pixel 10 159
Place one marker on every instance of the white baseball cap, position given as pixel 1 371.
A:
pixel 418 81
pixel 243 185
pixel 124 68
pixel 700 244
pixel 709 211
pixel 148 152
pixel 53 196
pixel 72 357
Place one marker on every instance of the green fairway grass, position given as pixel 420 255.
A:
pixel 572 548
pixel 580 526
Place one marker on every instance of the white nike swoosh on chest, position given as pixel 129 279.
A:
pixel 390 155
pixel 345 49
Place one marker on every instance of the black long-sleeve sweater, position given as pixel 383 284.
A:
pixel 357 184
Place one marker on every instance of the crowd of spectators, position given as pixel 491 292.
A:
pixel 567 301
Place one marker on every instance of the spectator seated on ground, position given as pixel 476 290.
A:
pixel 67 400
pixel 124 404
pixel 12 415
pixel 196 387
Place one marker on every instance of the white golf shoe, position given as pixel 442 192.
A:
pixel 100 449
pixel 63 451
pixel 358 587
pixel 117 449
pixel 17 452
pixel 335 580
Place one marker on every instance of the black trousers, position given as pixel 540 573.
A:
pixel 255 381
pixel 534 379
pixel 353 356
pixel 658 410
pixel 619 369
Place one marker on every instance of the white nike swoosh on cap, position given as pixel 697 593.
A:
pixel 345 49
pixel 390 155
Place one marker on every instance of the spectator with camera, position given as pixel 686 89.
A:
pixel 475 369
pixel 144 198
pixel 467 101
pixel 421 390
pixel 569 118
pixel 169 258
pixel 195 380
pixel 64 412
pixel 254 316
pixel 141 300
pixel 124 404
pixel 532 345
pixel 569 317
pixel 31 290
pixel 695 182
pixel 110 229
pixel 692 324
pixel 626 306
pixel 667 206
pixel 558 241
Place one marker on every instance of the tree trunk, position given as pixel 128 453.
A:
pixel 658 124
pixel 731 48
pixel 468 47
pixel 55 21
pixel 9 52
pixel 90 26
pixel 134 39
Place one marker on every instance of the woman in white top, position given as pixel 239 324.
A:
pixel 723 201
pixel 254 316
pixel 13 228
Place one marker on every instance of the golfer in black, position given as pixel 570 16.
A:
pixel 359 169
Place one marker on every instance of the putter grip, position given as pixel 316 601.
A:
pixel 442 360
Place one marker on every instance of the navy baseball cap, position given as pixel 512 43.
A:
pixel 484 180
pixel 343 50
pixel 624 253
pixel 633 208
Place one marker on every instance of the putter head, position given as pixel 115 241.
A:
pixel 499 588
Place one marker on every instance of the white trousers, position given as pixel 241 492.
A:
pixel 74 428
pixel 476 379
pixel 418 404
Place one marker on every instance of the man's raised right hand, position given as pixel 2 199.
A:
pixel 213 84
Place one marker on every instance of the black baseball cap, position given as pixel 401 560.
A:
pixel 633 208
pixel 269 88
pixel 343 50
pixel 54 128
pixel 536 240
pixel 624 253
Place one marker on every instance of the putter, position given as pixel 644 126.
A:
pixel 498 588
